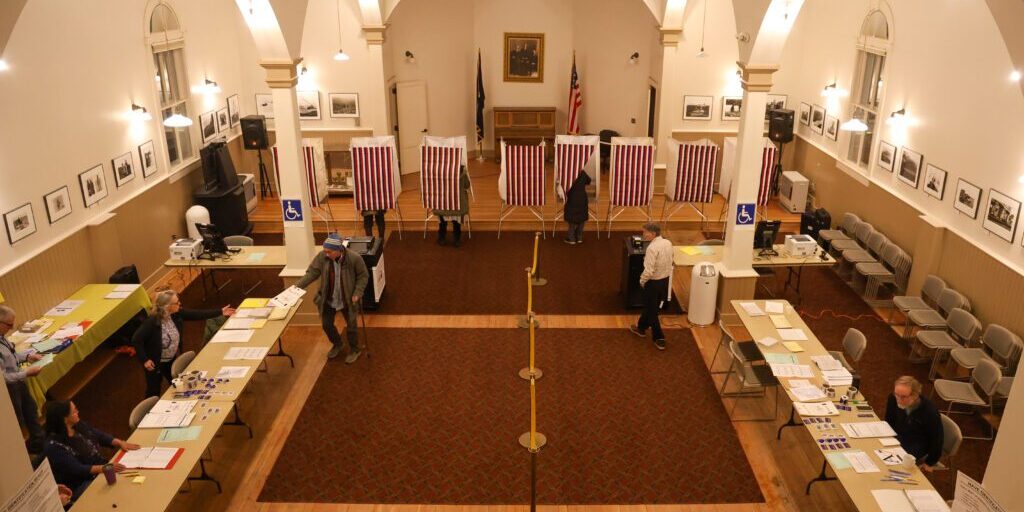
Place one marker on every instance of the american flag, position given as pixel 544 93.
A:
pixel 575 101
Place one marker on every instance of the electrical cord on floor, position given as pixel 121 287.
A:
pixel 833 314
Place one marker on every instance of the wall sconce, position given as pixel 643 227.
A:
pixel 633 59
pixel 1014 75
pixel 897 118
pixel 3 65
pixel 409 57
pixel 208 87
pixel 303 70
pixel 139 114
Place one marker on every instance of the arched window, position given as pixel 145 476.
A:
pixel 167 41
pixel 868 85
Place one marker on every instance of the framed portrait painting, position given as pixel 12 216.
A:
pixel 910 167
pixel 94 185
pixel 805 114
pixel 147 159
pixel 265 105
pixel 732 108
pixel 934 181
pixel 524 57
pixel 20 223
pixel 1001 215
pixel 58 204
pixel 233 111
pixel 967 198
pixel 697 108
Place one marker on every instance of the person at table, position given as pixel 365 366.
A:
pixel 158 340
pixel 72 447
pixel 456 217
pixel 14 376
pixel 916 421
pixel 343 277
pixel 577 208
pixel 654 281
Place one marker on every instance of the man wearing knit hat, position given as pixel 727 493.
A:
pixel 343 279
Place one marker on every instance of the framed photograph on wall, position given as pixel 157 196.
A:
pixel 524 57
pixel 831 127
pixel 309 104
pixel 1001 215
pixel 147 159
pixel 344 104
pixel 223 120
pixel 886 155
pixel 265 105
pixel 910 166
pixel 208 125
pixel 818 119
pixel 775 101
pixel 967 198
pixel 94 185
pixel 934 181
pixel 20 223
pixel 805 114
pixel 698 108
pixel 732 108
pixel 58 204
pixel 233 112
pixel 124 170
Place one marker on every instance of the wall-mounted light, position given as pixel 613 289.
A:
pixel 303 70
pixel 139 113
pixel 3 65
pixel 854 125
pixel 208 87
pixel 409 57
pixel 177 121
pixel 633 59
pixel 1014 75
pixel 897 118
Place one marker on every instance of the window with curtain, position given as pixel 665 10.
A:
pixel 167 42
pixel 868 86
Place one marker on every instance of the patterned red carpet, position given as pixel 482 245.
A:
pixel 434 416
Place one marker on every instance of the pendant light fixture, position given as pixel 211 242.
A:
pixel 341 56
pixel 703 27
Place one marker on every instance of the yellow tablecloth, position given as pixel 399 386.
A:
pixel 107 316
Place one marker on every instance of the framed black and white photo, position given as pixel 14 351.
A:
pixel 147 159
pixel 524 57
pixel 967 198
pixel 818 119
pixel 94 185
pixel 934 181
pixel 775 102
pixel 309 104
pixel 124 170
pixel 20 223
pixel 698 108
pixel 805 114
pixel 732 108
pixel 265 105
pixel 223 122
pixel 208 125
pixel 233 112
pixel 1001 215
pixel 886 155
pixel 344 104
pixel 910 166
pixel 58 204
pixel 831 127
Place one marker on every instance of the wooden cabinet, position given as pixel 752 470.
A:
pixel 524 125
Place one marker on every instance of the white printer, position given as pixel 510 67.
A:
pixel 186 249
pixel 801 245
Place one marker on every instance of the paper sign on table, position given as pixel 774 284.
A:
pixel 232 372
pixel 774 307
pixel 780 321
pixel 892 500
pixel 816 409
pixel 253 303
pixel 861 462
pixel 64 308
pixel 808 394
pixel 232 336
pixel 838 461
pixel 768 341
pixel 117 295
pixel 246 353
pixel 72 331
pixel 173 406
pixel 253 312
pixel 792 335
pixel 126 287
pixel 174 435
pixel 792 346
pixel 751 309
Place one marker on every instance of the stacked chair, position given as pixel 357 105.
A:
pixel 844 232
pixel 949 300
pixel 892 271
pixel 929 298
pixel 963 328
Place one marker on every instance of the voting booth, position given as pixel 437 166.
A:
pixel 521 181
pixel 689 177
pixel 632 177
pixel 575 154
pixel 376 178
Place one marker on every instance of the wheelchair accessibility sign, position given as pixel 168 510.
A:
pixel 745 214
pixel 291 209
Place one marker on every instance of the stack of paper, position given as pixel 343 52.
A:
pixel 792 335
pixel 774 307
pixel 780 358
pixel 253 312
pixel 173 406
pixel 64 308
pixel 927 501
pixel 827 362
pixel 232 336
pixel 792 346
pixel 839 377
pixel 158 420
pixel 868 429
pixel 246 353
pixel 808 394
pixel 816 409
pixel 768 341
pixel 751 309
pixel 253 303
pixel 279 313
pixel 896 500
pixel 780 321
pixel 68 331
pixel 150 458
pixel 244 323
pixel 862 462
pixel 288 298
pixel 791 370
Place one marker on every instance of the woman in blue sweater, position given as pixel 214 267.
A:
pixel 72 447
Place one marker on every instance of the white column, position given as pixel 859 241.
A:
pixel 16 469
pixel 739 239
pixel 668 109
pixel 375 112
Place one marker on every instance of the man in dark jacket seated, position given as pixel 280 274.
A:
pixel 916 422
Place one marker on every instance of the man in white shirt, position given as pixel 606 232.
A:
pixel 24 404
pixel 654 281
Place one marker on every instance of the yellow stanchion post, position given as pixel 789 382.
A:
pixel 529 320
pixel 532 372
pixel 535 270
pixel 533 440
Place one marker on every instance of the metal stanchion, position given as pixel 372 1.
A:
pixel 531 372
pixel 533 440
pixel 529 320
pixel 535 269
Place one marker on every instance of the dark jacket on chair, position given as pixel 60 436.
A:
pixel 920 432
pixel 148 339
pixel 577 202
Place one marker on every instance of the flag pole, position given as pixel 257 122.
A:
pixel 479 109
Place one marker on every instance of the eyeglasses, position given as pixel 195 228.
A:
pixel 8 324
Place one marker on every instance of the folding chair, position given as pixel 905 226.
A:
pixel 963 328
pixel 998 345
pixel 986 378
pixel 748 348
pixel 575 154
pixel 843 232
pixel 854 344
pixel 521 182
pixel 929 298
pixel 893 271
pixel 952 438
pixel 861 233
pixel 750 378
pixel 376 182
pixel 949 299
pixel 876 242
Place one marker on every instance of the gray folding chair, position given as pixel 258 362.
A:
pixel 748 348
pixel 952 438
pixel 238 241
pixel 854 343
pixel 181 362
pixel 929 298
pixel 845 231
pixel 875 244
pixel 861 233
pixel 998 345
pixel 893 271
pixel 986 378
pixel 949 300
pixel 140 411
pixel 754 380
pixel 963 329
pixel 711 242
pixel 1003 389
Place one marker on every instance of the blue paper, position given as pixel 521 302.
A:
pixel 780 358
pixel 838 461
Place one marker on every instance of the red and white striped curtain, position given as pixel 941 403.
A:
pixel 695 173
pixel 570 160
pixel 764 190
pixel 439 177
pixel 373 177
pixel 632 173
pixel 524 175
pixel 307 159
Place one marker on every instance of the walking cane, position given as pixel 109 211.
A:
pixel 362 316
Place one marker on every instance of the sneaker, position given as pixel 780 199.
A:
pixel 570 242
pixel 353 356
pixel 636 330
pixel 334 352
pixel 660 344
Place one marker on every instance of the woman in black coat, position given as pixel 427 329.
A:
pixel 158 340
pixel 577 208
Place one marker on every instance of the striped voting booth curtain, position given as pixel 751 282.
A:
pixel 764 190
pixel 631 176
pixel 695 173
pixel 307 160
pixel 570 160
pixel 373 177
pixel 524 175
pixel 439 177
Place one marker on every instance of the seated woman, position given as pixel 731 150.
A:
pixel 158 339
pixel 72 447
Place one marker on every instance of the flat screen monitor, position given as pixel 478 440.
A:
pixel 218 168
pixel 765 234
pixel 213 239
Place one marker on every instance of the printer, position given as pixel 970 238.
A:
pixel 801 245
pixel 186 249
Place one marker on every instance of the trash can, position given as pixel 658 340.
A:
pixel 703 294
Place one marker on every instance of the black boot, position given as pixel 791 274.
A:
pixel 442 229
pixel 457 232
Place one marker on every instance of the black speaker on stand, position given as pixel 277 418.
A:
pixel 254 136
pixel 780 129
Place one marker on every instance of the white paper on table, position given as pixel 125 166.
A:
pixel 840 377
pixel 861 462
pixel 751 309
pixel 792 335
pixel 64 308
pixel 816 408
pixel 126 287
pixel 827 362
pixel 808 394
pixel 868 429
pixel 252 313
pixel 800 383
pixel 239 323
pixel 67 332
pixel 232 336
pixel 774 307
pixel 927 500
pixel 279 313
pixel 780 321
pixel 287 298
pixel 791 370
pixel 117 295
pixel 232 372
pixel 156 420
pixel 892 500
pixel 889 441
pixel 173 407
pixel 768 341
pixel 148 458
pixel 891 456
pixel 246 353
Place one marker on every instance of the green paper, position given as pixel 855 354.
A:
pixel 838 461
pixel 47 359
pixel 43 346
pixel 173 435
pixel 257 256
pixel 780 358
